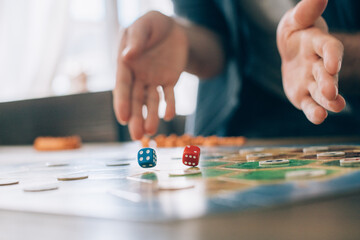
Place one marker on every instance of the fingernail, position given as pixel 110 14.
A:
pixel 123 123
pixel 336 91
pixel 339 66
pixel 125 51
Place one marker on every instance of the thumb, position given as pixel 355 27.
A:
pixel 146 32
pixel 307 12
pixel 136 37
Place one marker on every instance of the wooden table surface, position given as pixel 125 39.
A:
pixel 335 218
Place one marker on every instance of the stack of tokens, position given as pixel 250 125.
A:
pixel 273 162
pixel 184 140
pixel 315 149
pixel 329 155
pixel 350 162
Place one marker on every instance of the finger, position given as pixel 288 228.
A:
pixel 152 103
pixel 327 84
pixel 336 105
pixel 136 37
pixel 146 32
pixel 331 50
pixel 136 123
pixel 170 102
pixel 314 113
pixel 307 12
pixel 121 93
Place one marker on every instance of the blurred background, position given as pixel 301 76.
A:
pixel 63 47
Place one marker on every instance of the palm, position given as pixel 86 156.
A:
pixel 163 63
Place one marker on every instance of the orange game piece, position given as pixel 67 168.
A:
pixel 145 142
pixel 171 141
pixel 57 143
pixel 211 141
pixel 184 140
pixel 198 140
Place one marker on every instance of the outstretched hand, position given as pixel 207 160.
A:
pixel 153 53
pixel 311 60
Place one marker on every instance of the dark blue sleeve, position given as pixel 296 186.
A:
pixel 343 15
pixel 206 13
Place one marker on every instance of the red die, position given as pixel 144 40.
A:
pixel 191 156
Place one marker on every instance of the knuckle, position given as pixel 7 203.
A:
pixel 316 69
pixel 142 76
pixel 153 13
pixel 154 98
pixel 334 43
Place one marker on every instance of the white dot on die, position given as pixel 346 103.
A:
pixel 188 146
pixel 147 151
pixel 195 151
pixel 141 158
pixel 186 155
pixel 190 156
pixel 150 165
pixel 193 163
pixel 147 158
pixel 185 162
pixel 141 152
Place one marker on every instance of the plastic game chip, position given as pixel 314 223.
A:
pixel 301 174
pixel 349 161
pixel 7 182
pixel 57 164
pixel 330 154
pixel 288 149
pixel 273 162
pixel 187 172
pixel 41 188
pixel 73 176
pixel 315 149
pixel 115 163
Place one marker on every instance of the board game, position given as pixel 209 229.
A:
pixel 105 180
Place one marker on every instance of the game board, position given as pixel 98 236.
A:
pixel 115 187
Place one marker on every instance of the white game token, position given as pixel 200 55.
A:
pixel 58 164
pixel 174 185
pixel 257 156
pixel 251 150
pixel 289 149
pixel 7 182
pixel 315 149
pixel 116 164
pixel 41 188
pixel 125 159
pixel 300 174
pixel 73 176
pixel 330 154
pixel 349 161
pixel 184 173
pixel 273 162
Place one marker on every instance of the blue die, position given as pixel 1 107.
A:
pixel 147 157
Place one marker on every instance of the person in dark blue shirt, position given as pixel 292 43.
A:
pixel 254 58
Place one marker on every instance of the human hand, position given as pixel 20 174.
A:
pixel 311 60
pixel 153 52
